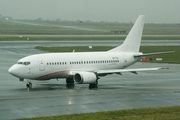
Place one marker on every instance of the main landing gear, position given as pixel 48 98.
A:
pixel 70 83
pixel 94 85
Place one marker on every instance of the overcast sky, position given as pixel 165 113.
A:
pixel 156 11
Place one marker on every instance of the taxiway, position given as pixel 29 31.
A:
pixel 115 92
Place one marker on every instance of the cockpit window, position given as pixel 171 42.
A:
pixel 26 63
pixel 19 63
pixel 23 63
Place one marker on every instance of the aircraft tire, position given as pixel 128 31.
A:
pixel 29 85
pixel 95 85
pixel 69 81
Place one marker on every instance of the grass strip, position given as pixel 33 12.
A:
pixel 159 113
pixel 63 38
pixel 166 58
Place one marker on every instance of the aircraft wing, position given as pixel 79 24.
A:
pixel 119 71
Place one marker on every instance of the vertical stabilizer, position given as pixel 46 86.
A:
pixel 133 40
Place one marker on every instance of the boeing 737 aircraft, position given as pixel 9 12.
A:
pixel 84 67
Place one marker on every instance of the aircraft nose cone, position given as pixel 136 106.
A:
pixel 11 70
pixel 14 71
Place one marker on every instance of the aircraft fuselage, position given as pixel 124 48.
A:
pixel 58 65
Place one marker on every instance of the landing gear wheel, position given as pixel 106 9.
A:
pixel 29 86
pixel 93 86
pixel 69 81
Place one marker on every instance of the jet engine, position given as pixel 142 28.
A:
pixel 85 78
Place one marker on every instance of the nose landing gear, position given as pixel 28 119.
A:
pixel 28 86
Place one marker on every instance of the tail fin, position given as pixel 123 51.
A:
pixel 133 40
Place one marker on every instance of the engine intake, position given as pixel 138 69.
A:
pixel 85 78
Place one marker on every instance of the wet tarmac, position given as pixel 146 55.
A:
pixel 115 92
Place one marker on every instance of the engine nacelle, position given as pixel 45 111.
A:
pixel 85 78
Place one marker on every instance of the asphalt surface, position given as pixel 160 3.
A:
pixel 115 92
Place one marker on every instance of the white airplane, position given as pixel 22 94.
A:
pixel 84 67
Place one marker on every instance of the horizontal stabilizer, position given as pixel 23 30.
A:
pixel 156 53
